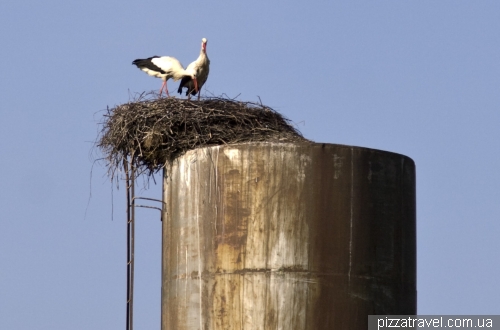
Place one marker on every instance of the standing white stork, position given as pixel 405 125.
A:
pixel 164 67
pixel 199 73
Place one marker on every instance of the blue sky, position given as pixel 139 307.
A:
pixel 421 78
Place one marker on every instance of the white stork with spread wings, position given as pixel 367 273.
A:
pixel 164 67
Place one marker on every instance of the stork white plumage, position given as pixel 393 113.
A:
pixel 164 67
pixel 199 70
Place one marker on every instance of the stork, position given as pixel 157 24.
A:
pixel 164 67
pixel 198 73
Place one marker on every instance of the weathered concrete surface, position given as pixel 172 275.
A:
pixel 287 236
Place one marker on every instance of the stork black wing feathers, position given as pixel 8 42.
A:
pixel 148 64
pixel 184 81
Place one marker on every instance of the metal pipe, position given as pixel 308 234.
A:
pixel 127 190
pixel 132 240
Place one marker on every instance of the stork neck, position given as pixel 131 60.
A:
pixel 202 56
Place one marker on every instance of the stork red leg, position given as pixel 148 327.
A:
pixel 161 89
pixel 196 87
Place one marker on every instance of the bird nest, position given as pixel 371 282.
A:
pixel 153 131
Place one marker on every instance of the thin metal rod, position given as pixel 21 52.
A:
pixel 149 199
pixel 148 207
pixel 164 206
pixel 132 240
pixel 127 188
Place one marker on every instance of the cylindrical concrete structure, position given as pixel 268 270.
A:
pixel 287 236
